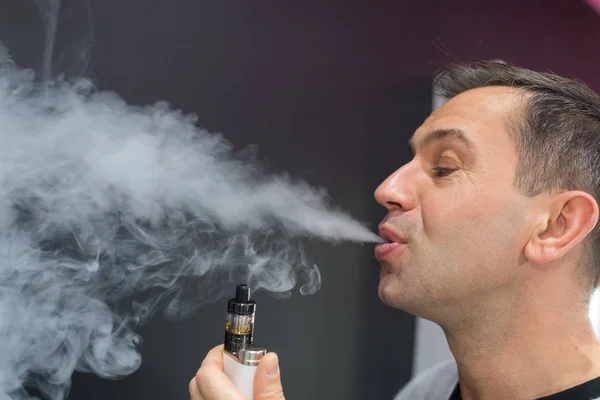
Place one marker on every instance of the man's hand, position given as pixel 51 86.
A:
pixel 211 383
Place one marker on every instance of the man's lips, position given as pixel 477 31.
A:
pixel 384 250
pixel 392 236
pixel 396 242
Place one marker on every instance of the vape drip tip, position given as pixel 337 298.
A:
pixel 239 328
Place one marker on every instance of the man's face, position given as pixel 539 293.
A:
pixel 454 207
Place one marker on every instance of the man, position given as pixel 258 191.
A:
pixel 494 237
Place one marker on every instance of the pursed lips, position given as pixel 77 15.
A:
pixel 396 242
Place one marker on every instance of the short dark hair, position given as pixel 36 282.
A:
pixel 557 136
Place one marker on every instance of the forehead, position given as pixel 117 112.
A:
pixel 483 114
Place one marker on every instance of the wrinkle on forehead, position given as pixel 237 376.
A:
pixel 494 106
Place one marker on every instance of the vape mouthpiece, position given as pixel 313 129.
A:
pixel 242 294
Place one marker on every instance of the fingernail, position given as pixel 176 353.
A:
pixel 273 366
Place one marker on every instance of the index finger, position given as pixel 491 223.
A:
pixel 212 381
pixel 214 357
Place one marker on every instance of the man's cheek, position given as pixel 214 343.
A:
pixel 444 213
pixel 460 231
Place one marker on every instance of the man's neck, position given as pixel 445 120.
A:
pixel 523 348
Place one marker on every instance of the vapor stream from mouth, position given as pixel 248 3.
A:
pixel 108 211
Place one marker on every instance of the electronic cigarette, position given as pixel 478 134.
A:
pixel 241 357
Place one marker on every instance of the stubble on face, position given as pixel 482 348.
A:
pixel 466 228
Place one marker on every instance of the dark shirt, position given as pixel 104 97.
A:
pixel 586 391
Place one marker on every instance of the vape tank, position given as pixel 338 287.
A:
pixel 241 357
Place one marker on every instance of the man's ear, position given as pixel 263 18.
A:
pixel 569 218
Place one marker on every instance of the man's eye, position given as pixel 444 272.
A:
pixel 442 172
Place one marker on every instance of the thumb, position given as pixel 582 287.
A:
pixel 267 381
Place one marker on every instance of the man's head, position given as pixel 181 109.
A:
pixel 500 196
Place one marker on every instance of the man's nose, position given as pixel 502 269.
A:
pixel 398 190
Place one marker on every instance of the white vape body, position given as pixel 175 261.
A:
pixel 241 375
pixel 241 368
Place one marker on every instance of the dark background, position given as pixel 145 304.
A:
pixel 330 91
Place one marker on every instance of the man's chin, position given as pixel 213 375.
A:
pixel 393 294
pixel 421 305
pixel 388 292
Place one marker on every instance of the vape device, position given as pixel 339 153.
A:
pixel 241 356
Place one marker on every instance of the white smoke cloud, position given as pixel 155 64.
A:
pixel 108 211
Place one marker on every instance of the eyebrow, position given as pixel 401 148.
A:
pixel 440 134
